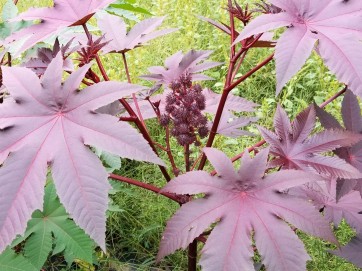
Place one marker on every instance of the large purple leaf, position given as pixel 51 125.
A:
pixel 335 24
pixel 352 252
pixel 294 150
pixel 291 52
pixel 64 13
pixel 47 122
pixel 241 209
pixel 351 114
pixel 323 196
pixel 114 30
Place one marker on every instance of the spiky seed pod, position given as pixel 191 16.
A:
pixel 189 98
pixel 180 113
pixel 184 106
pixel 183 128
pixel 203 131
pixel 197 88
pixel 170 108
pixel 164 120
pixel 171 98
pixel 175 85
pixel 194 108
pixel 185 139
pixel 201 101
pixel 186 80
pixel 174 132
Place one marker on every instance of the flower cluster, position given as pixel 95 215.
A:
pixel 183 109
pixel 243 15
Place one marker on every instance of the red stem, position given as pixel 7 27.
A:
pixel 334 97
pixel 126 67
pixel 192 256
pixel 145 186
pixel 145 134
pixel 222 103
pixel 169 152
pixel 139 112
pixel 187 157
pixel 130 111
pixel 9 59
pixel 192 249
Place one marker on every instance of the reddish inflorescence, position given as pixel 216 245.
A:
pixel 183 109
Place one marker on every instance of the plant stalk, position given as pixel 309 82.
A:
pixel 222 103
pixel 145 186
pixel 130 111
pixel 126 67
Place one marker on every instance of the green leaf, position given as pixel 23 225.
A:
pixel 9 11
pixel 10 261
pixel 113 161
pixel 122 13
pixel 131 8
pixel 39 245
pixel 77 243
pixel 68 237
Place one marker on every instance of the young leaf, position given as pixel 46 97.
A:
pixel 47 121
pixel 64 13
pixel 179 64
pixel 114 30
pixel 334 24
pixel 243 205
pixel 44 57
pixel 9 10
pixel 294 150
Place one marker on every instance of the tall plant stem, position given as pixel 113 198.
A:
pixel 192 250
pixel 222 103
pixel 145 186
pixel 9 60
pixel 187 157
pixel 126 67
pixel 169 153
pixel 130 111
pixel 192 256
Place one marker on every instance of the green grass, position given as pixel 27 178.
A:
pixel 134 233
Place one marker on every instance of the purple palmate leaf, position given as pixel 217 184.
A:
pixel 64 13
pixel 335 24
pixel 44 57
pixel 179 64
pixel 323 196
pixel 294 150
pixel 352 119
pixel 246 206
pixel 352 252
pixel 45 121
pixel 114 30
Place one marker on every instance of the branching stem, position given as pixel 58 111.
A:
pixel 130 111
pixel 146 186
